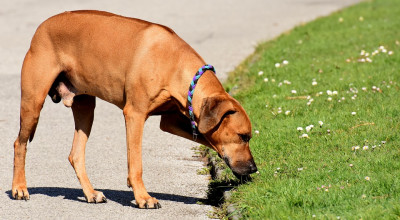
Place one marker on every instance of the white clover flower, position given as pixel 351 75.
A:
pixel 353 113
pixel 277 65
pixel 285 62
pixel 257 131
pixel 273 80
pixel 356 147
pixel 365 147
pixel 343 98
pixel 314 83
pixel 334 92
pixel 373 146
pixel 361 18
pixel 364 89
pixel 278 168
pixel 265 79
pixel 287 82
pixel 384 51
pixel 260 73
pixel 363 196
pixel 287 112
pixel 362 53
pixel 279 111
pixel 274 96
pixel 341 19
pixel 367 178
pixel 299 129
pixel 390 53
pixel 362 60
pixel 368 60
pixel 294 91
pixel 280 84
pixel 351 165
pixel 329 92
pixel 320 123
pixel 300 169
pixel 314 216
pixel 329 99
pixel 304 136
pixel 308 129
pixel 381 48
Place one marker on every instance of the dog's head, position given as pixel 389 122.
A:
pixel 227 128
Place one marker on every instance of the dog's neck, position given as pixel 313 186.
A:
pixel 207 86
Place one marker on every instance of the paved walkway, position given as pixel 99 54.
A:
pixel 223 32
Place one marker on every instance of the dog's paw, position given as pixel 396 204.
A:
pixel 96 197
pixel 150 203
pixel 20 193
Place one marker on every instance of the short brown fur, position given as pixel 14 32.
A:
pixel 143 68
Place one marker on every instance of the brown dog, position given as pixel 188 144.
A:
pixel 143 68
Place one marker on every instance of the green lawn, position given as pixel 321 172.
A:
pixel 355 54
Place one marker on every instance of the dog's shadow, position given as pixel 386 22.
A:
pixel 125 198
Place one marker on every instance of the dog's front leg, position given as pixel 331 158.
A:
pixel 134 123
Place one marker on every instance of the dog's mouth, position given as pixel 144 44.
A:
pixel 242 169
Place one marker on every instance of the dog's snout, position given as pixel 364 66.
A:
pixel 241 168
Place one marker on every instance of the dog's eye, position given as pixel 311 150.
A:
pixel 245 137
pixel 229 113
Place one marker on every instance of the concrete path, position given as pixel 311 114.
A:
pixel 223 32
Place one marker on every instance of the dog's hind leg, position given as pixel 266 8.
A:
pixel 37 76
pixel 83 111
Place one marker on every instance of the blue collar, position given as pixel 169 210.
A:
pixel 193 84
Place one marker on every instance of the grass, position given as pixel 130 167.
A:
pixel 324 176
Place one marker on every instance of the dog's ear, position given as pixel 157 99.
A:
pixel 212 111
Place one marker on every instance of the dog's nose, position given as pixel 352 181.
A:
pixel 253 168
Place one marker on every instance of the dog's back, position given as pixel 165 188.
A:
pixel 94 50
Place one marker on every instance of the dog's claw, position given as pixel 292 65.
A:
pixel 96 197
pixel 20 194
pixel 151 203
